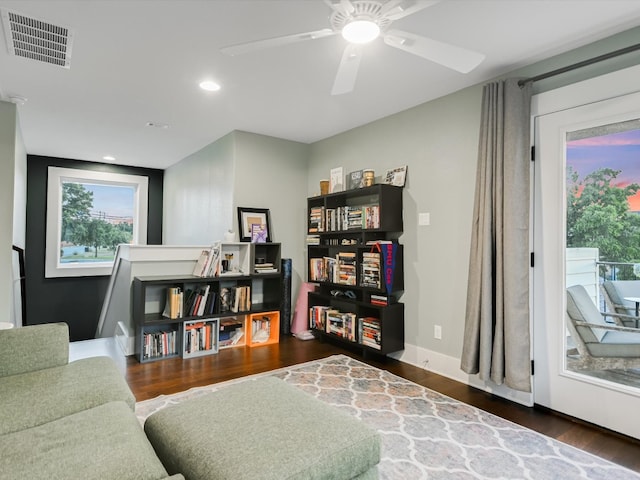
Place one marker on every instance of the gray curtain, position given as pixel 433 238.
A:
pixel 496 337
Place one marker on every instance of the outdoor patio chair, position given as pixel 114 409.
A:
pixel 614 292
pixel 601 345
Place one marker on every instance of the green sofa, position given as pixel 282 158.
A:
pixel 61 420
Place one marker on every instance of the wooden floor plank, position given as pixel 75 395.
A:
pixel 174 375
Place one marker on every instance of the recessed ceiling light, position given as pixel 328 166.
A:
pixel 108 158
pixel 210 86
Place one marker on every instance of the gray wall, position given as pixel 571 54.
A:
pixel 271 173
pixel 198 195
pixel 202 193
pixel 13 188
pixel 438 143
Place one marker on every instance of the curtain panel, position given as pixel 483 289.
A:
pixel 496 337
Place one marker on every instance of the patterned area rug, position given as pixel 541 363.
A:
pixel 426 435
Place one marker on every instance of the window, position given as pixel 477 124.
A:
pixel 89 214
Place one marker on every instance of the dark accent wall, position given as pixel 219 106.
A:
pixel 75 300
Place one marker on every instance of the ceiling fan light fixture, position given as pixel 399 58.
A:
pixel 210 86
pixel 361 31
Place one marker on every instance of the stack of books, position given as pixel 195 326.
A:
pixel 265 268
pixel 370 270
pixel 369 332
pixel 346 268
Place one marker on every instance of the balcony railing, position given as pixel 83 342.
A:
pixel 618 271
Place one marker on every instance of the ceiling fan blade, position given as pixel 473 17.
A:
pixel 395 9
pixel 348 70
pixel 450 56
pixel 341 5
pixel 247 47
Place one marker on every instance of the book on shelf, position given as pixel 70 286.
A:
pixel 341 324
pixel 235 299
pixel 200 301
pixel 382 300
pixel 316 220
pixel 265 268
pixel 370 270
pixel 198 337
pixel 174 303
pixel 231 331
pixel 346 268
pixel 369 332
pixel 322 269
pixel 159 344
pixel 260 329
pixel 318 317
pixel 208 263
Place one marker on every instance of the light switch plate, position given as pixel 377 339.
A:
pixel 424 219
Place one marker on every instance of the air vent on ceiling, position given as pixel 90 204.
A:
pixel 37 40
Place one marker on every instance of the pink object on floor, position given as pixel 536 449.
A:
pixel 301 315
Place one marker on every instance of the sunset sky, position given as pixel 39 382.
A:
pixel 619 151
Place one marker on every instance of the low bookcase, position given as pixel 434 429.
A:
pixel 189 316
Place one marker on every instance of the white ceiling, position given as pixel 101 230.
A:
pixel 139 61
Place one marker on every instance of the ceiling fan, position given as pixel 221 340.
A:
pixel 362 21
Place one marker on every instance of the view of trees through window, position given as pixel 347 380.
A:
pixel 603 193
pixel 96 218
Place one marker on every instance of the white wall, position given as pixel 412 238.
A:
pixel 198 195
pixel 13 189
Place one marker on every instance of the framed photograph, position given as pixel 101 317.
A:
pixel 337 180
pixel 355 179
pixel 396 176
pixel 248 217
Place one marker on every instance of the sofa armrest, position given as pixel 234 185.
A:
pixel 32 348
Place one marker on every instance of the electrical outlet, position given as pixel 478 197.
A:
pixel 424 219
pixel 437 332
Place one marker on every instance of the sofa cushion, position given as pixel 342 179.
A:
pixel 262 429
pixel 33 348
pixel 102 443
pixel 60 391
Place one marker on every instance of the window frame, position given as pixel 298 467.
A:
pixel 55 178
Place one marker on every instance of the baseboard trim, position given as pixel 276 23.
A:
pixel 449 367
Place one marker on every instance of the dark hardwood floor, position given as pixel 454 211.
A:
pixel 174 375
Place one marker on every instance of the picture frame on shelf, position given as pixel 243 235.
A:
pixel 355 179
pixel 247 217
pixel 336 178
pixel 396 176
pixel 258 233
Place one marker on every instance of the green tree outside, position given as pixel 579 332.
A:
pixel 598 215
pixel 79 228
